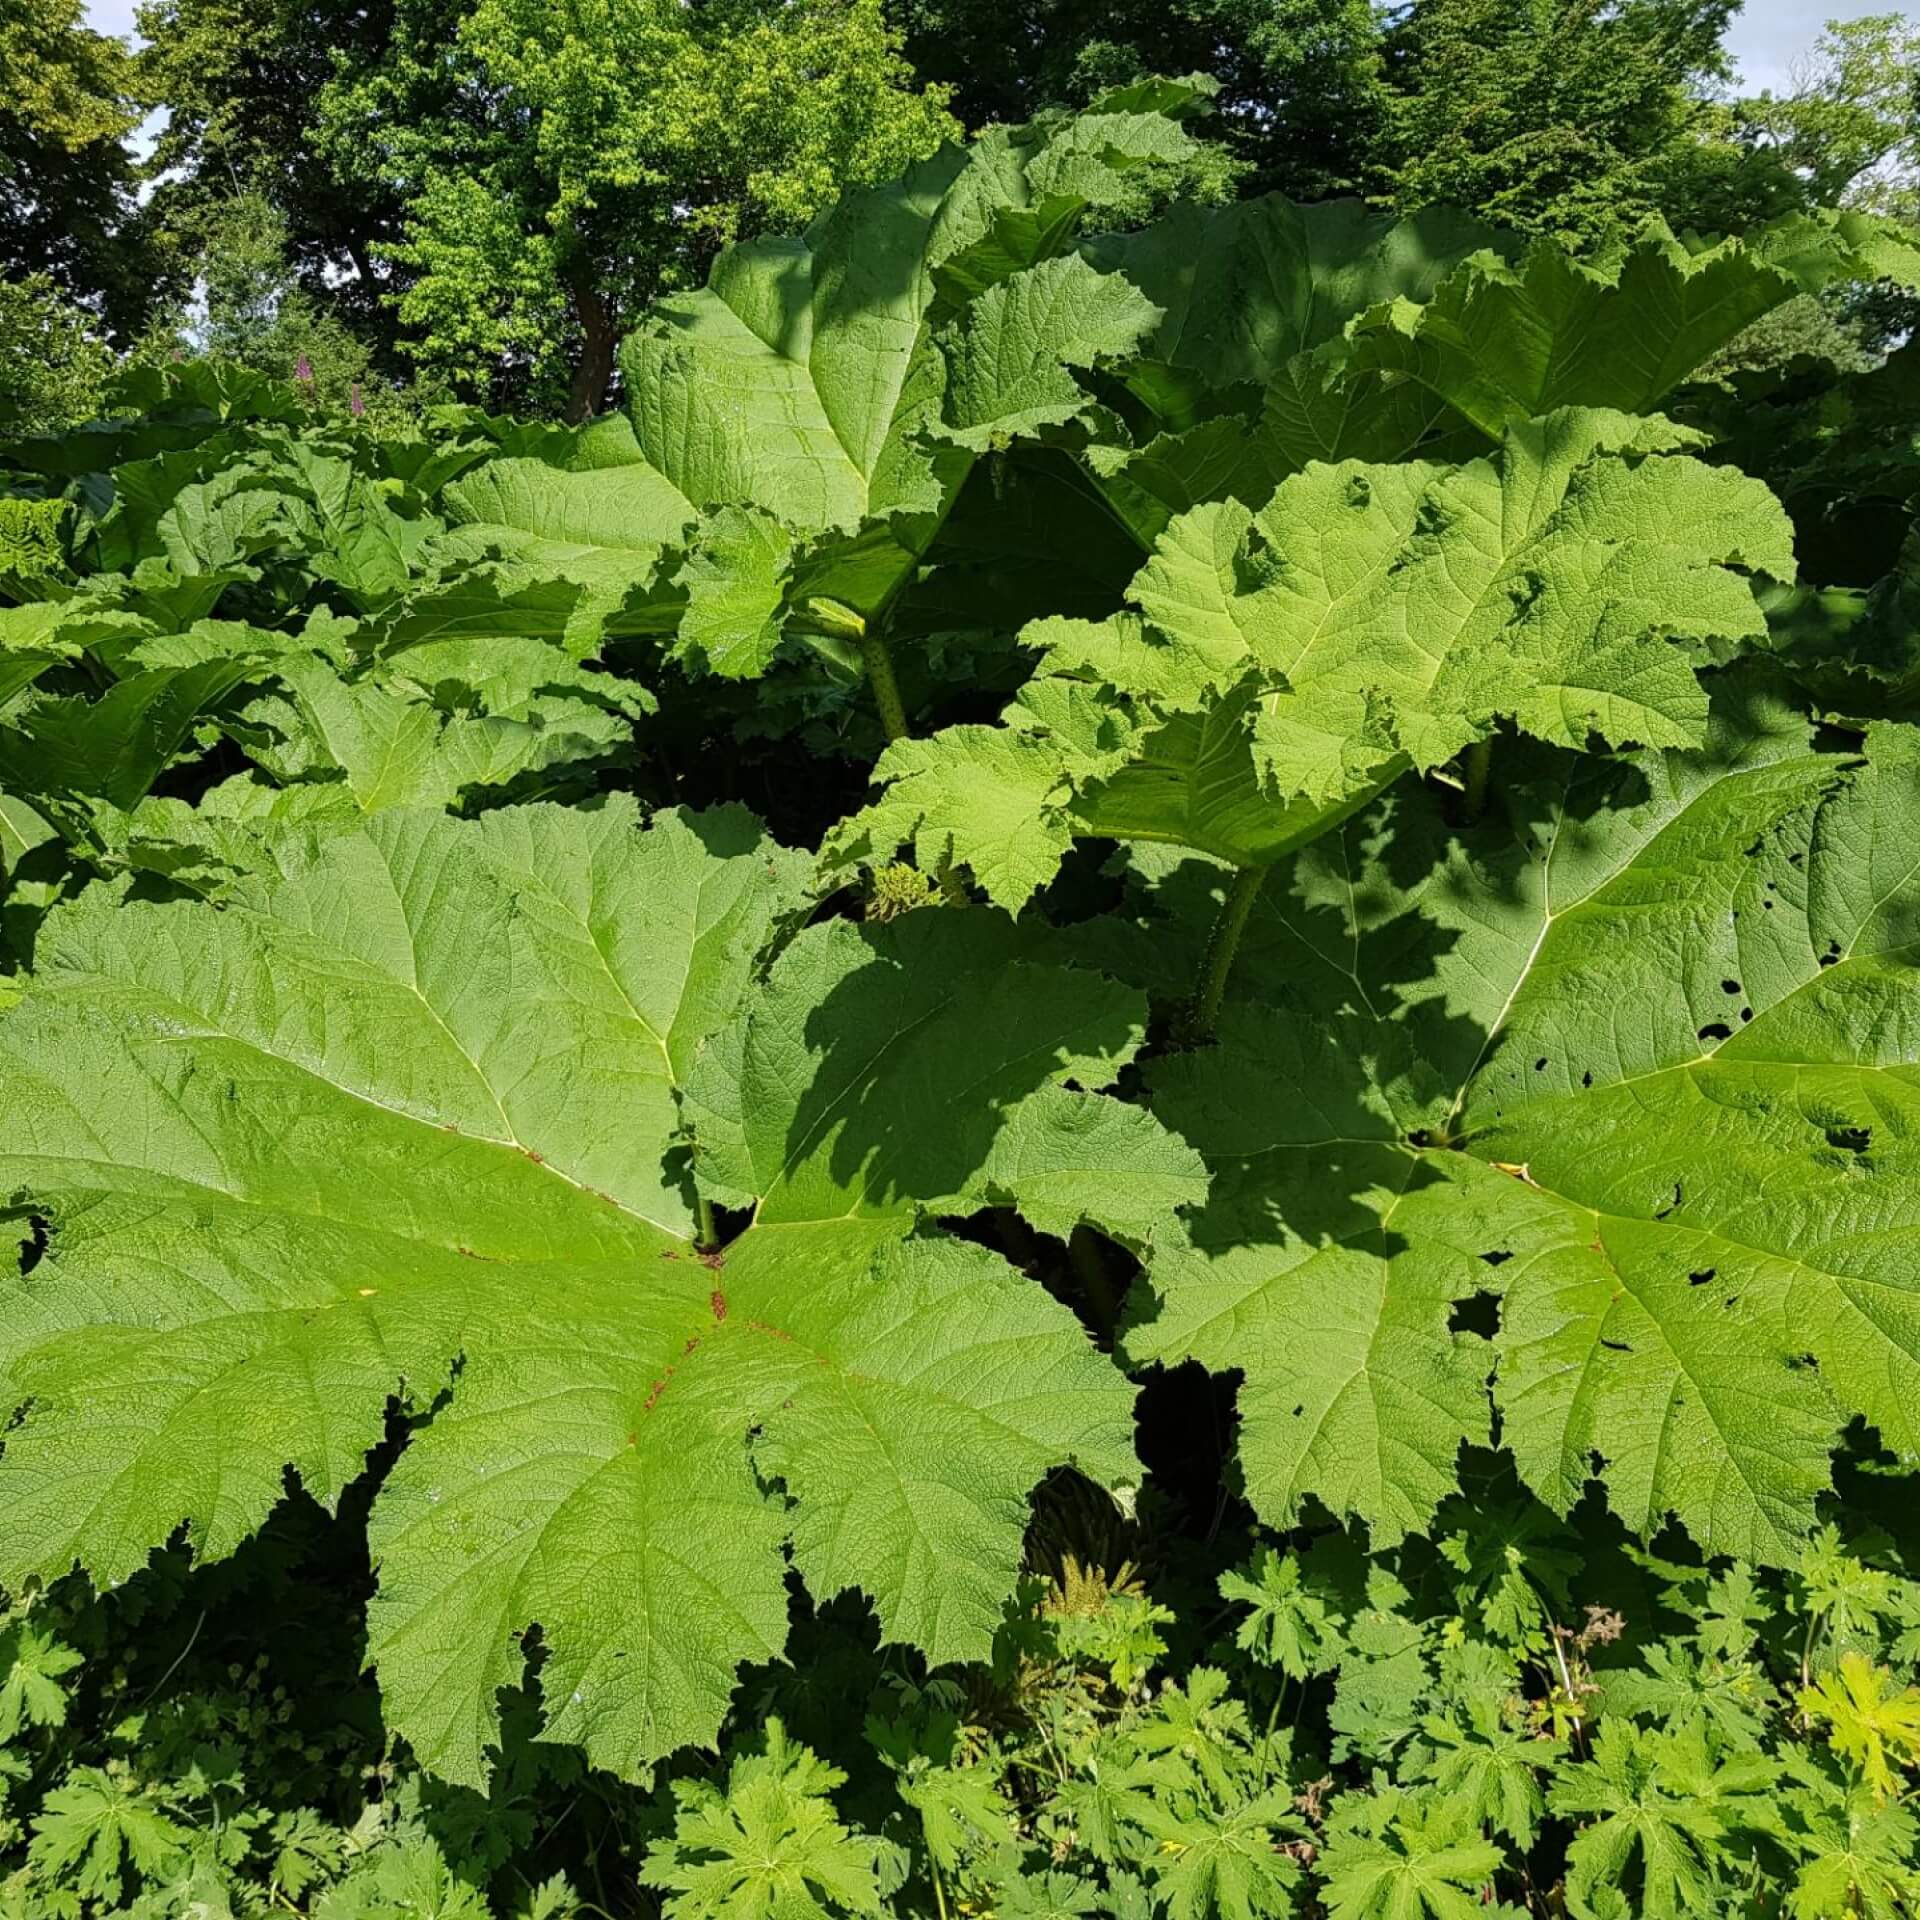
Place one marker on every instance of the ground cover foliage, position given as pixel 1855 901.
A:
pixel 1091 1089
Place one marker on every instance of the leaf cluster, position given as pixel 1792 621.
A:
pixel 1453 1726
pixel 682 1016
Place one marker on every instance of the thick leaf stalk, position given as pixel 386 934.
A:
pixel 877 658
pixel 1479 765
pixel 833 621
pixel 1216 965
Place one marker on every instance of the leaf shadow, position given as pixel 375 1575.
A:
pixel 1369 990
pixel 917 1055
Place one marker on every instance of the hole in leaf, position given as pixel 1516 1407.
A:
pixel 1616 1346
pixel 1478 1313
pixel 1746 1014
pixel 1586 1079
pixel 729 1223
pixel 1729 986
pixel 1497 1258
pixel 1850 1139
pixel 1715 1030
pixel 33 1249
pixel 1831 958
pixel 1671 1204
pixel 1188 1423
pixel 1540 1065
pixel 1700 1279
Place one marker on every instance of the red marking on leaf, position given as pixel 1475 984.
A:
pixel 656 1390
pixel 538 1159
pixel 778 1333
pixel 689 1347
pixel 718 1302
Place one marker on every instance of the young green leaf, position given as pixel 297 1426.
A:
pixel 1872 1721
pixel 1393 1856
pixel 32 1666
pixel 768 1847
pixel 1291 1625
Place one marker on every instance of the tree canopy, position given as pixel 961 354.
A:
pixel 557 166
pixel 1300 80
pixel 68 99
pixel 474 198
pixel 1549 116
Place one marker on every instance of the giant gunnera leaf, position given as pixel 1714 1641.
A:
pixel 1502 343
pixel 1278 669
pixel 410 1125
pixel 1255 299
pixel 844 384
pixel 1637 1060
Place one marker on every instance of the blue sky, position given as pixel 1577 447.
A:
pixel 111 16
pixel 1767 37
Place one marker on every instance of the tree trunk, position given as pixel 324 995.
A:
pixel 594 373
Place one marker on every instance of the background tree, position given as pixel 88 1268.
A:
pixel 53 363
pixel 1843 133
pixel 1561 117
pixel 1853 108
pixel 1848 134
pixel 250 309
pixel 242 82
pixel 483 191
pixel 68 99
pixel 1299 79
pixel 581 157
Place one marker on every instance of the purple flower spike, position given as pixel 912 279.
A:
pixel 303 370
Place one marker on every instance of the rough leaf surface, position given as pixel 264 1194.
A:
pixel 1284 666
pixel 411 1123
pixel 1640 1058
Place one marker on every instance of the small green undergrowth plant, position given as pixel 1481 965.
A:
pixel 1249 1725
